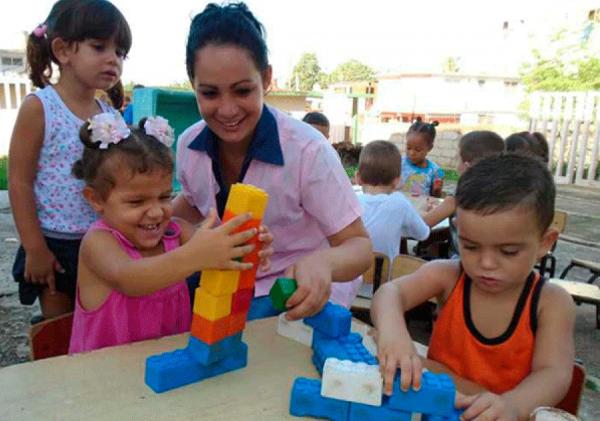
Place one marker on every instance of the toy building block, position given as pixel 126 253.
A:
pixel 219 282
pixel 306 401
pixel 241 300
pixel 281 291
pixel 353 382
pixel 209 331
pixel 211 307
pixel 207 354
pixel 455 416
pixel 237 322
pixel 236 359
pixel 295 330
pixel 362 412
pixel 173 369
pixel 247 198
pixel 333 321
pixel 247 279
pixel 345 348
pixel 436 396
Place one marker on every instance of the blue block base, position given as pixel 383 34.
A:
pixel 178 368
pixel 333 321
pixel 348 347
pixel 362 412
pixel 207 354
pixel 306 401
pixel 436 396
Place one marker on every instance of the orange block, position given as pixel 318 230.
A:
pixel 209 331
pixel 237 322
pixel 247 279
pixel 251 257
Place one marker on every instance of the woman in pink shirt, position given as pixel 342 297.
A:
pixel 313 213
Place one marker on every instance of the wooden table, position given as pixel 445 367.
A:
pixel 109 383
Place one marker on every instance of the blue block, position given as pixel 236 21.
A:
pixel 348 347
pixel 172 369
pixel 436 396
pixel 178 368
pixel 334 320
pixel 306 401
pixel 237 358
pixel 362 412
pixel 455 416
pixel 207 354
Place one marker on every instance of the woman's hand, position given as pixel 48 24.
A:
pixel 313 276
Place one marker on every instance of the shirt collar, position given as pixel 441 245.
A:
pixel 265 145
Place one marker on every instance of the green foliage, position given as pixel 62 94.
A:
pixel 3 172
pixel 350 71
pixel 306 73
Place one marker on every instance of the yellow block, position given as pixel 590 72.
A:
pixel 211 307
pixel 219 282
pixel 247 198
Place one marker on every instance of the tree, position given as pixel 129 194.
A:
pixel 306 73
pixel 351 70
pixel 569 63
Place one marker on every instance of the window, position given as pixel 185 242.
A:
pixel 6 61
pixel 17 61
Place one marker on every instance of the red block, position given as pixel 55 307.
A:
pixel 209 331
pixel 247 279
pixel 237 322
pixel 251 257
pixel 240 302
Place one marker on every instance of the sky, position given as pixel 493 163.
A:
pixel 388 35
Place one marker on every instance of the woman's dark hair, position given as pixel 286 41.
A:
pixel 75 21
pixel 140 153
pixel 230 24
pixel 534 144
pixel 428 129
pixel 315 117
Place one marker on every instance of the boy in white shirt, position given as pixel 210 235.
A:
pixel 387 214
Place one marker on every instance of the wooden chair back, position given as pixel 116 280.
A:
pixel 560 221
pixel 572 399
pixel 404 264
pixel 50 338
pixel 378 272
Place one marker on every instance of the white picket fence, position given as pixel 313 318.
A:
pixel 571 123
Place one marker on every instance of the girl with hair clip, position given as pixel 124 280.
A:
pixel 134 259
pixel 313 212
pixel 87 40
pixel 419 175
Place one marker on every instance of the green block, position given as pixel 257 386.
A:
pixel 282 289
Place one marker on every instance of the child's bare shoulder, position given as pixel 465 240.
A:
pixel 555 299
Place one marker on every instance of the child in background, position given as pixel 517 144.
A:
pixel 500 326
pixel 134 260
pixel 472 147
pixel 387 213
pixel 88 41
pixel 421 176
pixel 319 121
pixel 534 144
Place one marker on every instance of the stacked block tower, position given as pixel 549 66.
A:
pixel 221 307
pixel 351 387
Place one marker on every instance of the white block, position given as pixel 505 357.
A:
pixel 354 382
pixel 295 330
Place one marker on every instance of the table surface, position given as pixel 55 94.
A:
pixel 109 383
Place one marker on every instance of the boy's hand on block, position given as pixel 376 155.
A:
pixel 485 406
pixel 392 354
pixel 313 276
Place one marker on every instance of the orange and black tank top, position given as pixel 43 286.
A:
pixel 498 364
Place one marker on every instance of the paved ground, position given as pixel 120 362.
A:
pixel 583 226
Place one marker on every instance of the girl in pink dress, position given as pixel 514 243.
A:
pixel 134 259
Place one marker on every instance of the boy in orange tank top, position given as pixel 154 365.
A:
pixel 503 334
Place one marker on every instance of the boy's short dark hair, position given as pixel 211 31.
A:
pixel 379 163
pixel 500 183
pixel 534 144
pixel 315 117
pixel 480 144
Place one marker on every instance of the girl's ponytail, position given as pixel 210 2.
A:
pixel 39 57
pixel 116 95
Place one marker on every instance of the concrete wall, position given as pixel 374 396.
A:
pixel 445 147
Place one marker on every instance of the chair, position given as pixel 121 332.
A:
pixel 404 264
pixel 51 337
pixel 594 268
pixel 572 399
pixel 377 274
pixel 559 223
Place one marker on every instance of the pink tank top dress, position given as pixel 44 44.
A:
pixel 122 319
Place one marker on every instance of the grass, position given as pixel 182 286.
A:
pixel 450 174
